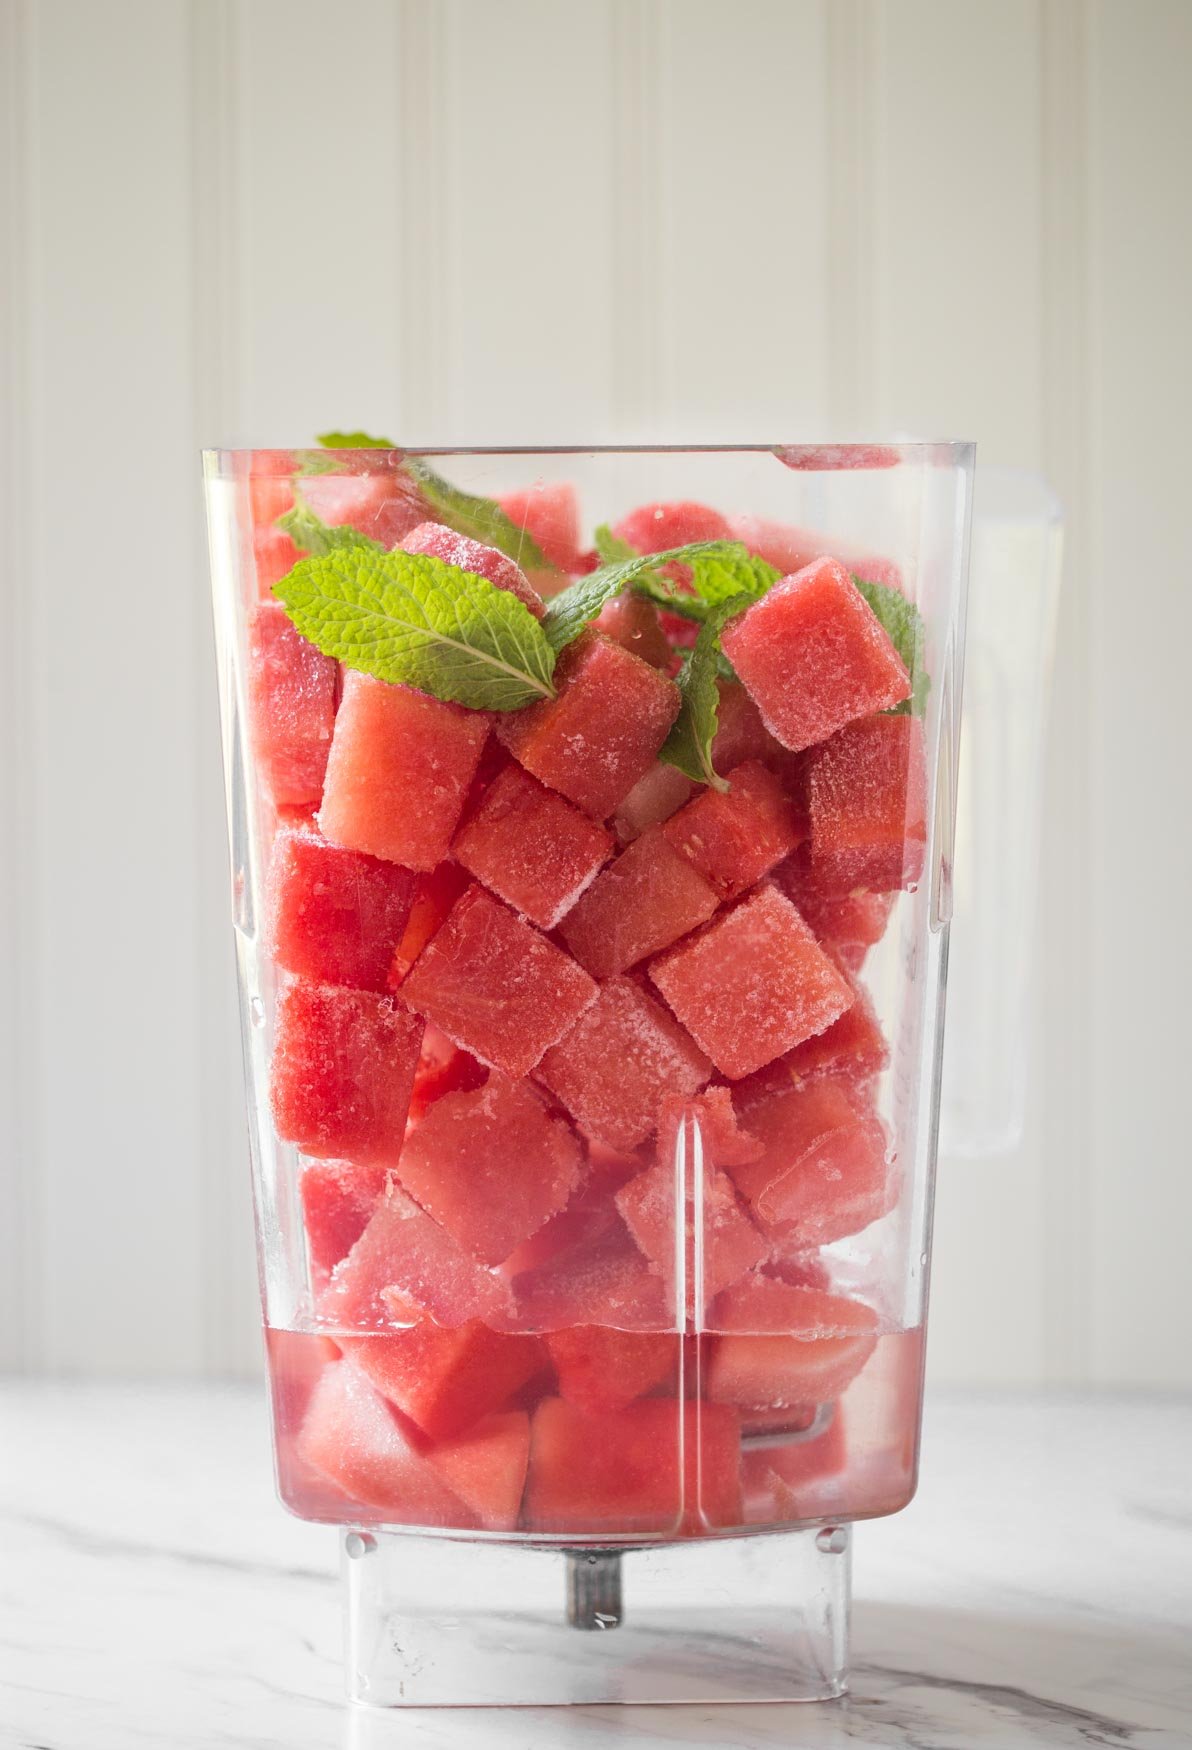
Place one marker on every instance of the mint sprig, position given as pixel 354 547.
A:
pixel 412 618
pixel 353 440
pixel 312 535
pixel 611 548
pixel 713 565
pixel 903 625
pixel 689 744
pixel 481 519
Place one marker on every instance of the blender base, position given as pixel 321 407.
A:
pixel 436 1623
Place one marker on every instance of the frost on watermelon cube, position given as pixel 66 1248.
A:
pixel 399 771
pixel 849 924
pixel 351 1436
pixel 601 732
pixel 633 622
pixel 342 1070
pixel 654 1466
pixel 824 1174
pixel 384 505
pixel 435 893
pixel 645 900
pixel 599 1369
pixel 442 1069
pixel 486 1468
pixel 337 1200
pixel 732 838
pixel 445 1380
pixel 405 1265
pixel 531 848
pixel 473 556
pixel 583 1268
pixel 784 1346
pixel 789 548
pixel 867 797
pixel 653 799
pixel 491 1166
pixel 549 513
pixel 854 1046
pixel 616 1065
pixel 495 986
pixel 814 656
pixel 334 915
pixel 722 1139
pixel 719 1244
pixel 291 706
pixel 752 984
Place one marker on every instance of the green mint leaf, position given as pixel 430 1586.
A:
pixel 610 547
pixel 310 533
pixel 689 744
pixel 413 618
pixel 904 627
pixel 481 519
pixel 569 612
pixel 729 569
pixel 353 440
pixel 669 596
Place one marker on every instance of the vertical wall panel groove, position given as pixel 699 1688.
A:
pixel 638 281
pixel 852 44
pixel 420 216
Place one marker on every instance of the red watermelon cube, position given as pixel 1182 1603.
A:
pixel 653 528
pixel 442 1069
pixel 645 900
pixel 337 1200
pixel 584 1269
pixel 343 1067
pixel 399 771
pixel 867 796
pixel 824 1171
pixel 722 1139
pixel 721 1243
pixel 653 799
pixel 549 513
pixel 633 622
pixel 291 706
pixel 600 1369
pixel 601 732
pixel 475 557
pixel 854 1046
pixel 495 986
pixel 275 556
pixel 847 925
pixel 385 505
pixel 652 1467
pixel 732 838
pixel 784 1481
pixel 786 1346
pixel 491 1166
pixel 814 655
pixel 740 733
pixel 531 848
pixel 613 1069
pixel 752 984
pixel 789 548
pixel 334 915
pixel 447 1380
pixel 435 893
pixel 486 1468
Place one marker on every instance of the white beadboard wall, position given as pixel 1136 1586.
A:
pixel 550 219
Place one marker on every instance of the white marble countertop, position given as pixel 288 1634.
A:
pixel 1038 1592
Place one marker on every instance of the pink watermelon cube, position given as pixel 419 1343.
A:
pixel 733 838
pixel 652 800
pixel 385 505
pixel 656 1465
pixel 789 549
pixel 752 984
pixel 549 513
pixel 351 1437
pixel 442 1069
pixel 446 1380
pixel 337 1200
pixel 814 656
pixel 653 528
pixel 474 556
pixel 644 901
pixel 867 795
pixel 786 1346
pixel 613 1069
pixel 435 893
pixel 334 915
pixel 399 771
pixel 740 733
pixel 486 1468
pixel 633 622
pixel 721 1243
pixel 291 706
pixel 723 1140
pixel 854 1046
pixel 601 732
pixel 824 1172
pixel 405 1265
pixel 531 848
pixel 343 1067
pixel 496 987
pixel 275 556
pixel 847 925
pixel 491 1166
pixel 584 1269
pixel 599 1369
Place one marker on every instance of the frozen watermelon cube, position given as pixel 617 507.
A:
pixel 583 1268
pixel 486 1467
pixel 740 733
pixel 653 528
pixel 633 622
pixel 399 771
pixel 491 1165
pixel 275 556
pixel 848 924
pixel 824 1172
pixel 786 1346
pixel 385 505
pixel 813 655
pixel 549 513
pixel 645 900
pixel 601 732
pixel 797 1478
pixel 496 987
pixel 789 548
pixel 442 1069
pixel 653 799
pixel 600 1369
pixel 474 556
pixel 436 892
pixel 723 1140
pixel 445 1380
pixel 531 848
pixel 291 706
pixel 656 1465
pixel 752 984
pixel 343 1067
pixel 734 837
pixel 720 1243
pixel 334 915
pixel 351 1436
pixel 613 1069
pixel 337 1200
pixel 854 1046
pixel 867 796
pixel 405 1265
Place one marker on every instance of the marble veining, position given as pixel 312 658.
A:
pixel 152 1593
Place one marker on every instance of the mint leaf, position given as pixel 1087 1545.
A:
pixel 569 612
pixel 482 519
pixel 689 744
pixel 413 618
pixel 903 624
pixel 353 440
pixel 729 569
pixel 610 547
pixel 309 532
